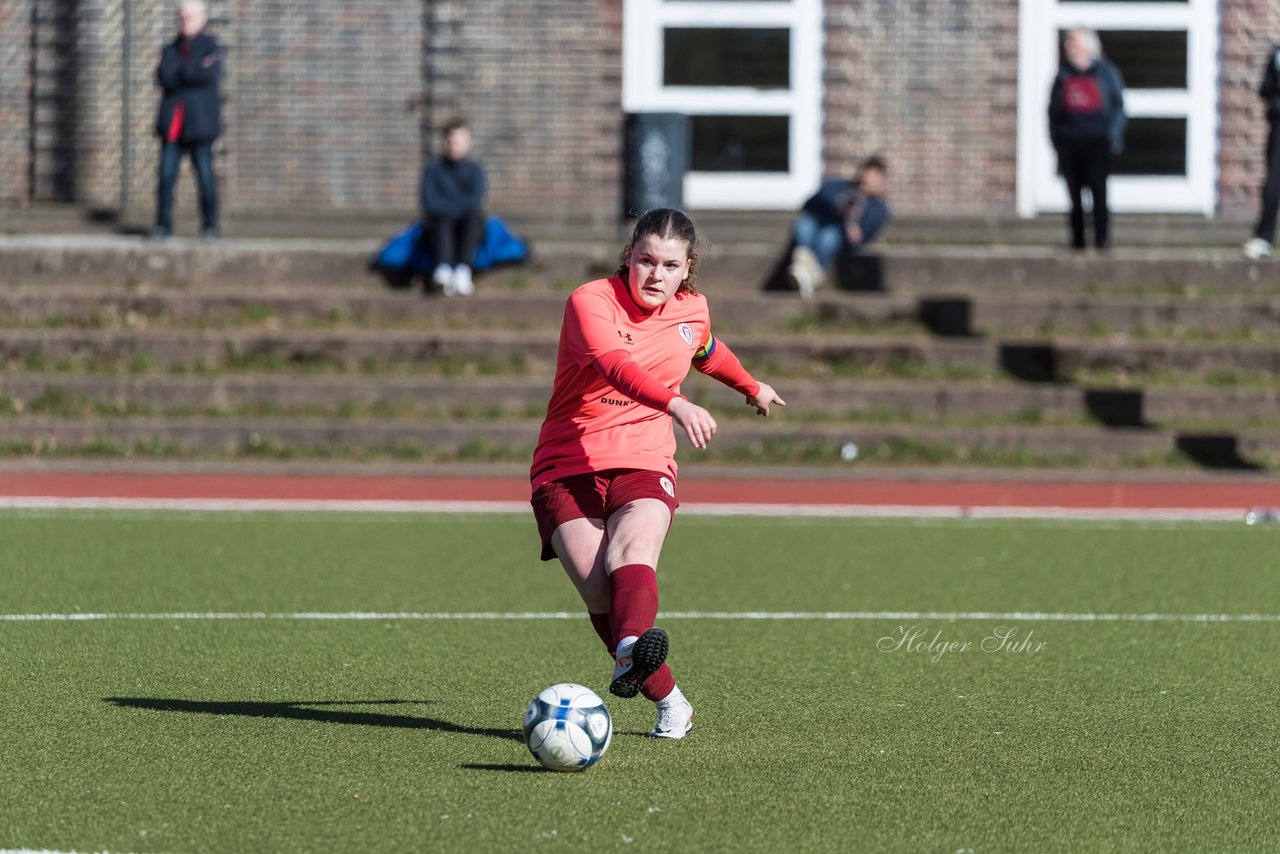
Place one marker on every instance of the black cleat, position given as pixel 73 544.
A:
pixel 647 656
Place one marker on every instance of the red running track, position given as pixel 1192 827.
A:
pixel 1109 494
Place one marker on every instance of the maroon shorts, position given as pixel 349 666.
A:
pixel 595 495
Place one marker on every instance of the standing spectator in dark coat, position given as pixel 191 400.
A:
pixel 1264 235
pixel 843 216
pixel 1086 126
pixel 189 121
pixel 453 189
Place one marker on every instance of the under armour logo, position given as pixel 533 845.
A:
pixel 625 336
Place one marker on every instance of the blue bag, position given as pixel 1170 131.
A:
pixel 407 251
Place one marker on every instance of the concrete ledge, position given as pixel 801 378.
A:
pixel 507 439
pixel 809 400
pixel 731 266
pixel 533 352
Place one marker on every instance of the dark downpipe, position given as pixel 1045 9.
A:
pixel 126 109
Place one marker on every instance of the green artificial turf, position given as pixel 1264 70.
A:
pixel 810 734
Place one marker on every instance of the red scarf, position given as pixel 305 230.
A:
pixel 180 110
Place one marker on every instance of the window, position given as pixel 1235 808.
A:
pixel 748 74
pixel 1167 53
pixel 740 143
pixel 1147 59
pixel 727 56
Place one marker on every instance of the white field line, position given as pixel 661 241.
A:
pixel 871 511
pixel 949 616
pixel 241 505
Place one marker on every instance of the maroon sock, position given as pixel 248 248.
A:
pixel 635 600
pixel 659 685
pixel 600 622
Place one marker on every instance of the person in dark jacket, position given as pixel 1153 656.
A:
pixel 189 119
pixel 1264 235
pixel 453 189
pixel 843 216
pixel 1086 125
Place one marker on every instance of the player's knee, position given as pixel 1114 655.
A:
pixel 634 550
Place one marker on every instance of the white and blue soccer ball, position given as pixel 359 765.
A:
pixel 567 727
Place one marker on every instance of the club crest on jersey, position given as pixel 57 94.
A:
pixel 686 332
pixel 667 486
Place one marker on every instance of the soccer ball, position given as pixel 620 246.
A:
pixel 567 727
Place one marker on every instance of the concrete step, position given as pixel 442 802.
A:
pixel 182 262
pixel 1129 230
pixel 769 226
pixel 1168 271
pixel 451 351
pixel 96 393
pixel 1244 317
pixel 274 307
pixel 138 351
pixel 522 352
pixel 1222 363
pixel 729 266
pixel 775 442
pixel 830 399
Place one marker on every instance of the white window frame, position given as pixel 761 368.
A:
pixel 1040 188
pixel 642 91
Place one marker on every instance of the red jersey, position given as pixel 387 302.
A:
pixel 590 425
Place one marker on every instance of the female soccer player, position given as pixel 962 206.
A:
pixel 604 472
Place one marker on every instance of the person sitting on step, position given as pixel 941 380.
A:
pixel 843 216
pixel 453 191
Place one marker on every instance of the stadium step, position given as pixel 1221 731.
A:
pixel 834 399
pixel 512 440
pixel 488 352
pixel 986 230
pixel 52 306
pixel 730 266
pixel 1014 355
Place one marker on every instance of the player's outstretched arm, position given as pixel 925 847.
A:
pixel 716 360
pixel 765 398
pixel 696 422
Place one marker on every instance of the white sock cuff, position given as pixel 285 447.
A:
pixel 675 697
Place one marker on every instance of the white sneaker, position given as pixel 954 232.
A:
pixel 443 276
pixel 1256 249
pixel 806 271
pixel 639 662
pixel 674 720
pixel 462 284
pixel 800 279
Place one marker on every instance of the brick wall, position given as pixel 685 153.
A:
pixel 99 88
pixel 54 70
pixel 15 100
pixel 1248 28
pixel 541 83
pixel 151 25
pixel 333 105
pixel 932 85
pixel 94 99
pixel 323 104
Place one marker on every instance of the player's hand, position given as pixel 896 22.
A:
pixel 696 422
pixel 765 398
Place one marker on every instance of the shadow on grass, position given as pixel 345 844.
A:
pixel 305 710
pixel 512 769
